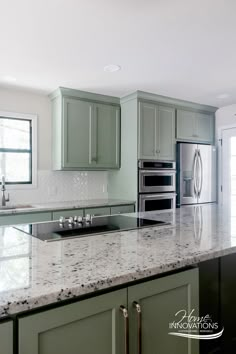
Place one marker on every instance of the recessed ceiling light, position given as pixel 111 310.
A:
pixel 111 68
pixel 223 95
pixel 9 78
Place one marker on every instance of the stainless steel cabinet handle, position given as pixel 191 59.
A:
pixel 126 327
pixel 137 307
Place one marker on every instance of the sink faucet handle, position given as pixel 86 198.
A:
pixel 8 198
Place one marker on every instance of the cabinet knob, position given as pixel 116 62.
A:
pixel 158 151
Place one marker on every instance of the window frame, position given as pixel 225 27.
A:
pixel 33 119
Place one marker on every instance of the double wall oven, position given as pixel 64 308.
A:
pixel 156 185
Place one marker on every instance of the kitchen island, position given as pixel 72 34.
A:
pixel 35 274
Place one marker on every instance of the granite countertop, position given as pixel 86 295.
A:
pixel 37 207
pixel 34 273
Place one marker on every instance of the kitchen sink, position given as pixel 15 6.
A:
pixel 16 206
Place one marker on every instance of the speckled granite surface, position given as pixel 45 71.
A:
pixel 90 203
pixel 34 273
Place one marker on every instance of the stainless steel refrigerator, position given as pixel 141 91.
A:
pixel 196 174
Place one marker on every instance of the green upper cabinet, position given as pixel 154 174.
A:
pixel 195 126
pixel 147 130
pixel 166 133
pixel 106 136
pixel 86 132
pixel 152 307
pixel 156 132
pixel 76 137
pixel 92 326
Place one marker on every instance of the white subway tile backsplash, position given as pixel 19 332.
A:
pixel 55 186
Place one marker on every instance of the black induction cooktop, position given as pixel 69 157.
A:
pixel 52 231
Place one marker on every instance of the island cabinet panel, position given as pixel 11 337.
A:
pixel 156 132
pixel 25 218
pixel 6 337
pixel 209 301
pixel 93 326
pixel 159 301
pixel 228 308
pixel 195 127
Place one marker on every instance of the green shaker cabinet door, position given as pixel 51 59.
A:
pixel 147 131
pixel 77 120
pixel 6 337
pixel 195 127
pixel 106 136
pixel 166 133
pixel 93 326
pixel 160 300
pixel 186 125
pixel 205 127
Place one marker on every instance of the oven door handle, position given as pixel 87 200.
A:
pixel 158 196
pixel 158 172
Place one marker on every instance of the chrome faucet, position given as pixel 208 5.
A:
pixel 3 189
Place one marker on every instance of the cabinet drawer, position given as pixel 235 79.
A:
pixel 98 211
pixel 122 209
pixel 71 212
pixel 25 218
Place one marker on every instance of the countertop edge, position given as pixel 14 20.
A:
pixel 56 297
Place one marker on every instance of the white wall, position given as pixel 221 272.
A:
pixel 27 102
pixel 51 186
pixel 225 116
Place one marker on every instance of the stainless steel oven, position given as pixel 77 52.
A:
pixel 151 181
pixel 159 201
pixel 155 177
pixel 156 185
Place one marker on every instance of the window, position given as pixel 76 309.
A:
pixel 17 158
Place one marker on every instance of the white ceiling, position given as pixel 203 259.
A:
pixel 184 49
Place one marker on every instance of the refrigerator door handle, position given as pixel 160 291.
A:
pixel 201 173
pixel 194 174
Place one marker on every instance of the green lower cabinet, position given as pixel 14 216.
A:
pixel 6 337
pixel 93 326
pixel 97 211
pixel 100 325
pixel 122 209
pixel 159 301
pixel 66 213
pixel 25 218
